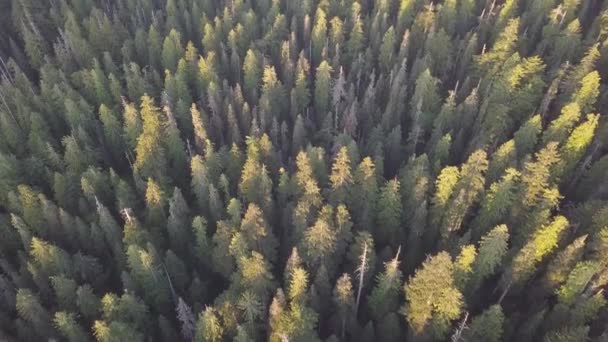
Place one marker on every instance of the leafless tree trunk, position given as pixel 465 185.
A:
pixel 362 268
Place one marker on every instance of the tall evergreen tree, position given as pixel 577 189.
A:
pixel 434 280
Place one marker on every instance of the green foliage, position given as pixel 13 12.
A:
pixel 172 51
pixel 385 294
pixel 543 242
pixel 434 280
pixel 150 154
pixel 208 328
pixel 492 249
pixel 276 170
pixel 487 326
pixel 68 326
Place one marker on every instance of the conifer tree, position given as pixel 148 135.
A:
pixel 178 221
pixel 466 191
pixel 384 296
pixel 356 38
pixel 323 82
pixel 341 178
pixel 208 327
pixel 68 326
pixel 319 36
pixel 562 126
pixel 543 241
pixel 526 137
pixel 576 145
pixel 496 201
pixel 492 249
pixel 387 49
pixel 344 300
pixel 535 177
pixel 257 233
pixel 251 76
pixel 433 280
pixel 255 184
pixel 463 266
pixel 364 193
pixel 487 326
pixel 150 154
pixel 390 213
pixel 320 240
pixel 172 50
pixel 31 310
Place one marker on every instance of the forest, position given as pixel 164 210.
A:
pixel 304 170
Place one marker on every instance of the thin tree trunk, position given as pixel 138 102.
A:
pixel 361 276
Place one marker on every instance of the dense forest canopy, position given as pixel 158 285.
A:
pixel 303 170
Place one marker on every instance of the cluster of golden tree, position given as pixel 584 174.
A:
pixel 303 170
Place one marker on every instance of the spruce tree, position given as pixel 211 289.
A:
pixel 487 326
pixel 433 280
pixel 390 214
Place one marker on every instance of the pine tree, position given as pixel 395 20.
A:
pixel 112 132
pixel 390 214
pixel 384 297
pixel 543 241
pixel 463 266
pixel 503 47
pixel 362 259
pixel 254 274
pixel 466 192
pixel 179 219
pixel 64 289
pixel 526 137
pixel 444 188
pixel 364 193
pixel 150 154
pixel 341 178
pixel 258 234
pixel 31 310
pixel 432 317
pixel 251 76
pixel 579 333
pixel 356 39
pixel 496 201
pixel 323 82
pixel 563 262
pixel 202 247
pixel 576 145
pixel 319 36
pixel 492 250
pixel 577 281
pixel 487 326
pixel 147 273
pixel 88 303
pixel 105 332
pixel 344 301
pixel 172 50
pixel 300 92
pixel 560 127
pixel 273 99
pixel 69 327
pixel 208 327
pixel 176 153
pixel 387 49
pixel 319 240
pixel 587 94
pixel 132 125
pixel 535 177
pixel 255 185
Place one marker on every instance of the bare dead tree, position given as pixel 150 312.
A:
pixel 361 270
